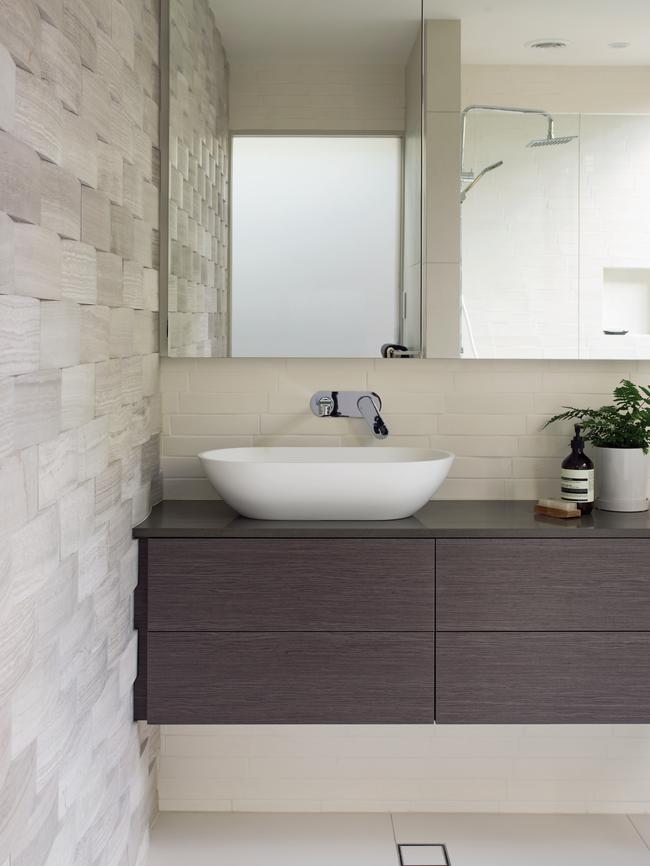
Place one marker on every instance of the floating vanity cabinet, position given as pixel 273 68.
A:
pixel 286 630
pixel 542 630
pixel 466 613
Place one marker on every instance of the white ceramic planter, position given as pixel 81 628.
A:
pixel 621 479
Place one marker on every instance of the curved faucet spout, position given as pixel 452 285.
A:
pixel 368 408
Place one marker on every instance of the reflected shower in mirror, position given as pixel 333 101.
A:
pixel 536 188
pixel 295 163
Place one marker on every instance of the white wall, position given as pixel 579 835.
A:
pixel 490 768
pixel 520 233
pixel 562 89
pixel 319 97
pixel 542 233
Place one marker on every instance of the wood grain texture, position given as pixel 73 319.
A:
pixel 20 180
pixel 110 172
pixel 95 333
pixel 80 27
pixel 20 32
pixel 109 280
pixel 141 624
pixel 61 64
pixel 80 148
pixel 95 219
pixel 95 102
pixel 291 585
pixel 8 91
pixel 37 262
pixel 39 116
pixel 295 678
pixel 542 585
pixel 51 11
pixel 543 678
pixel 20 322
pixel 121 231
pixel 79 272
pixel 60 201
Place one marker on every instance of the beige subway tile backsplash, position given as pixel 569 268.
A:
pixel 489 413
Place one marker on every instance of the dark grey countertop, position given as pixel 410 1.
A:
pixel 438 519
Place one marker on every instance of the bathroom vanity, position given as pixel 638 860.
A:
pixel 468 612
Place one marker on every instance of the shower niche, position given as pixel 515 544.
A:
pixel 626 301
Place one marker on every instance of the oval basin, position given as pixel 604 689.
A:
pixel 326 483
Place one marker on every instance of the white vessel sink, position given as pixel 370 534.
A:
pixel 326 483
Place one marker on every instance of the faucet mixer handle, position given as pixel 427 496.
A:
pixel 323 404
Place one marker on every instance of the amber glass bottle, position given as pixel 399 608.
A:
pixel 578 476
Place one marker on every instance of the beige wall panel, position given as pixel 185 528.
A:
pixel 109 280
pixel 80 148
pixel 79 272
pixel 7 90
pixel 80 26
pixel 37 262
pixel 121 231
pixel 60 201
pixel 20 180
pixel 95 219
pixel 39 116
pixel 21 32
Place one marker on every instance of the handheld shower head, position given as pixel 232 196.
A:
pixel 481 174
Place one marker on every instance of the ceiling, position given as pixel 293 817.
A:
pixel 494 31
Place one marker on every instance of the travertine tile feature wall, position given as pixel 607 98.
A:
pixel 489 413
pixel 199 154
pixel 79 422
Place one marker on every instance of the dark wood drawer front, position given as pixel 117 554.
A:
pixel 543 678
pixel 290 678
pixel 543 585
pixel 291 585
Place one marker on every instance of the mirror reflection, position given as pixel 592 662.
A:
pixel 295 178
pixel 554 192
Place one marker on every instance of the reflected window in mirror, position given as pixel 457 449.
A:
pixel 316 245
pixel 294 197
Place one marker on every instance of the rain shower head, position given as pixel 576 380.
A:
pixel 551 138
pixel 546 142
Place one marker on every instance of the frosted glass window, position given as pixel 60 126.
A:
pixel 316 249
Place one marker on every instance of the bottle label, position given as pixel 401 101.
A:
pixel 578 485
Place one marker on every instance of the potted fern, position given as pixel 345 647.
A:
pixel 620 436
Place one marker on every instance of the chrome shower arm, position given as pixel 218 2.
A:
pixel 505 110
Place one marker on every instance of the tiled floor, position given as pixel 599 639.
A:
pixel 239 839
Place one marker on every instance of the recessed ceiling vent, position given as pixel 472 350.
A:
pixel 547 44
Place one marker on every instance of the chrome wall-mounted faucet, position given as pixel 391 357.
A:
pixel 351 404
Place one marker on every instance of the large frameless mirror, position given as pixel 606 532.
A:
pixel 542 247
pixel 294 192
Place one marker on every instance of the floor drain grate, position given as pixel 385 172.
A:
pixel 423 855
